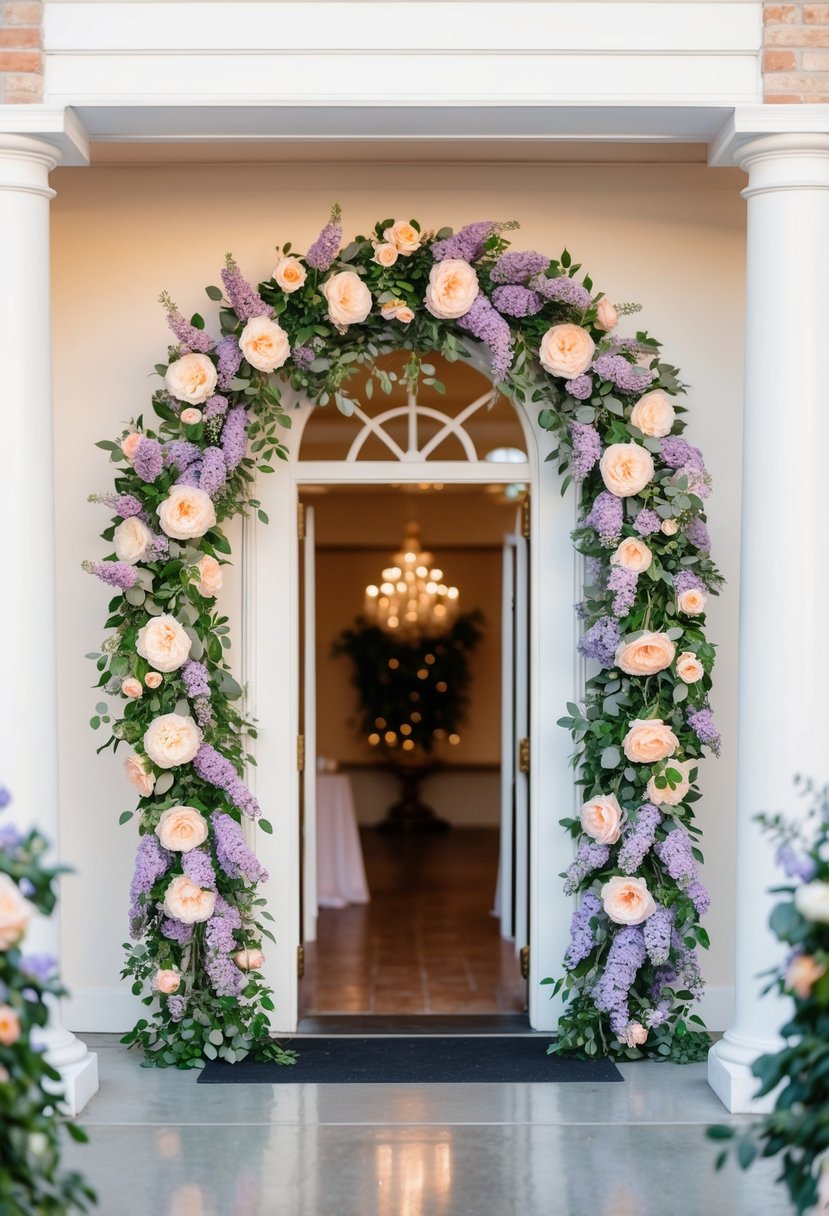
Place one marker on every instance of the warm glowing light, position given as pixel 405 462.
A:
pixel 393 664
pixel 423 673
pixel 405 729
pixel 429 658
pixel 372 591
pixel 454 738
pixel 390 737
pixel 374 739
pixel 416 717
pixel 441 686
pixel 380 723
pixel 408 745
pixel 412 601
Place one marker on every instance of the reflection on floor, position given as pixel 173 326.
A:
pixel 427 943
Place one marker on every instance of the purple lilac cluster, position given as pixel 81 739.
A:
pixel 10 838
pixel 198 867
pixel 468 244
pixel 303 357
pixel 176 1007
pixel 486 323
pixel 149 459
pixel 216 770
pixel 151 862
pixel 794 866
pixel 594 572
pixel 196 679
pixel 647 522
pixel 686 580
pixel 114 574
pixel 684 974
pixel 701 722
pixel 220 941
pixel 40 967
pixel 581 935
pixel 697 534
pixel 327 245
pixel 580 388
pixel 698 896
pixel 204 712
pixel 658 1016
pixel 176 931
pixel 677 453
pixel 181 453
pixel 245 301
pixel 626 955
pixel 518 267
pixel 589 857
pixel 213 473
pixel 587 449
pixel 627 377
pixel 215 407
pixel 517 301
pixel 605 517
pixel 235 437
pixel 657 931
pixel 235 858
pixel 230 359
pixel 600 641
pixel 563 290
pixel 675 854
pixel 629 346
pixel 698 480
pixel 124 505
pixel 158 547
pixel 623 583
pixel 638 838
pixel 188 335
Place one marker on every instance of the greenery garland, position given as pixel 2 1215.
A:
pixel 320 325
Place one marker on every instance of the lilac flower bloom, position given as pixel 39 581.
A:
pixel 657 931
pixel 149 459
pixel 468 244
pixel 235 437
pixel 230 359
pixel 626 955
pixel 605 517
pixel 623 582
pixel 114 574
pixel 188 335
pixel 245 301
pixel 181 453
pixel 675 854
pixel 5 797
pixel 158 547
pixel 562 289
pixel 658 1016
pixel 581 935
pixel 647 522
pixel 125 505
pixel 630 346
pixel 216 770
pixel 176 1007
pixel 204 712
pixel 701 722
pixel 600 641
pixel 484 323
pixel 638 838
pixel 215 406
pixel 697 534
pixel 196 679
pixel 626 376
pixel 698 480
pixel 590 857
pixel 518 266
pixel 587 449
pixel 303 357
pixel 686 580
pixel 580 388
pixel 191 476
pixel 699 896
pixel 151 862
pixel 10 838
pixel 677 452
pixel 517 301
pixel 198 867
pixel 220 941
pixel 235 858
pixel 794 866
pixel 594 572
pixel 327 245
pixel 41 967
pixel 213 473
pixel 176 931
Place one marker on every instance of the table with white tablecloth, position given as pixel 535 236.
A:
pixel 341 874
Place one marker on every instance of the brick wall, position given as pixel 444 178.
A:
pixel 21 59
pixel 796 53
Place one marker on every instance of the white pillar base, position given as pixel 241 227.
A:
pixel 731 1078
pixel 78 1067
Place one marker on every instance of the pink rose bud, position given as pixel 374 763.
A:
pixel 167 981
pixel 153 679
pixel 132 687
pixel 249 960
pixel 9 1026
pixel 190 416
pixel 606 315
pixel 130 443
pixel 669 527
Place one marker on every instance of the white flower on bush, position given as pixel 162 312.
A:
pixel 668 796
pixel 812 901
pixel 632 554
pixel 264 344
pixel 167 980
pixel 654 414
pixel 249 960
pixel 452 290
pixel 627 901
pixel 138 774
pixel 186 513
pixel 602 818
pixel 164 643
pixel 132 539
pixel 404 236
pixel 187 902
pixel 15 913
pixel 349 300
pixel 171 740
pixel 192 378
pixel 566 350
pixel 385 255
pixel 290 274
pixel 626 468
pixel 181 828
pixel 211 577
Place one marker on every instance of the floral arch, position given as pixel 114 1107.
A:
pixel 612 409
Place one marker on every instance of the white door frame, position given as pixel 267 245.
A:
pixel 271 632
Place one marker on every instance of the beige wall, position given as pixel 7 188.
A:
pixel 669 236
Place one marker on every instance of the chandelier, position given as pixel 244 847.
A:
pixel 412 601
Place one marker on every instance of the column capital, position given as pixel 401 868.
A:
pixel 791 161
pixel 25 164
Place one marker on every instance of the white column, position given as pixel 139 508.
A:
pixel 783 714
pixel 28 699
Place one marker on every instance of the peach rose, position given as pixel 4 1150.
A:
pixel 249 960
pixel 812 901
pixel 138 774
pixel 132 687
pixel 167 981
pixel 164 643
pixel 210 577
pixel 669 527
pixel 601 818
pixel 802 974
pixel 190 416
pixel 645 655
pixel 192 378
pixel 649 740
pixel 186 513
pixel 633 1035
pixel 187 902
pixel 397 310
pixel 171 740
pixel 153 679
pixel 15 913
pixel 688 667
pixel 566 350
pixel 130 443
pixel 668 796
pixel 132 538
pixel 627 901
pixel 264 344
pixel 692 602
pixel 626 468
pixel 349 300
pixel 385 255
pixel 405 237
pixel 9 1026
pixel 181 828
pixel 633 555
pixel 606 315
pixel 452 290
pixel 290 274
pixel 653 414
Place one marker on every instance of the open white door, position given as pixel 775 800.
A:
pixel 309 707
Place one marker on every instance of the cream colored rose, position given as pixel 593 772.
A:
pixel 645 655
pixel 132 688
pixel 633 555
pixel 9 1026
pixel 181 828
pixel 397 310
pixel 566 350
pixel 606 315
pixel 627 901
pixel 15 913
pixel 654 414
pixel 290 274
pixel 190 416
pixel 802 974
pixel 171 740
pixel 186 513
pixel 688 667
pixel 249 960
pixel 626 468
pixel 668 796
pixel 452 290
pixel 138 774
pixel 167 981
pixel 633 1035
pixel 187 902
pixel 210 577
pixel 692 602
pixel 385 255
pixel 649 740
pixel 812 901
pixel 349 300
pixel 164 643
pixel 669 527
pixel 132 539
pixel 405 237
pixel 152 679
pixel 601 818
pixel 192 378
pixel 264 344
pixel 129 445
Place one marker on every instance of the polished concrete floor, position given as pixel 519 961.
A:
pixel 163 1146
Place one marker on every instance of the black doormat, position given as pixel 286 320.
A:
pixel 419 1059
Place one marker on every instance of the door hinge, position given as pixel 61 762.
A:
pixel 524 960
pixel 525 517
pixel 300 961
pixel 523 755
pixel 300 521
pixel 300 753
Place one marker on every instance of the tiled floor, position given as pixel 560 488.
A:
pixel 427 943
pixel 163 1146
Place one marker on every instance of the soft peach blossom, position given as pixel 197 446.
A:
pixel 566 350
pixel 187 902
pixel 649 740
pixel 397 310
pixel 633 1035
pixel 186 513
pixel 181 828
pixel 688 667
pixel 9 1026
pixel 385 255
pixel 633 555
pixel 802 974
pixel 601 818
pixel 130 443
pixel 669 527
pixel 132 538
pixel 290 274
pixel 211 577
pixel 132 687
pixel 692 602
pixel 645 655
pixel 167 980
pixel 626 468
pixel 164 643
pixel 654 414
pixel 405 237
pixel 606 315
pixel 138 773
pixel 192 378
pixel 15 913
pixel 668 796
pixel 453 287
pixel 190 416
pixel 153 679
pixel 627 901
pixel 264 344
pixel 349 300
pixel 171 740
pixel 249 960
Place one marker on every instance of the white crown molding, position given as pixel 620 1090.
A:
pixel 752 122
pixel 55 125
